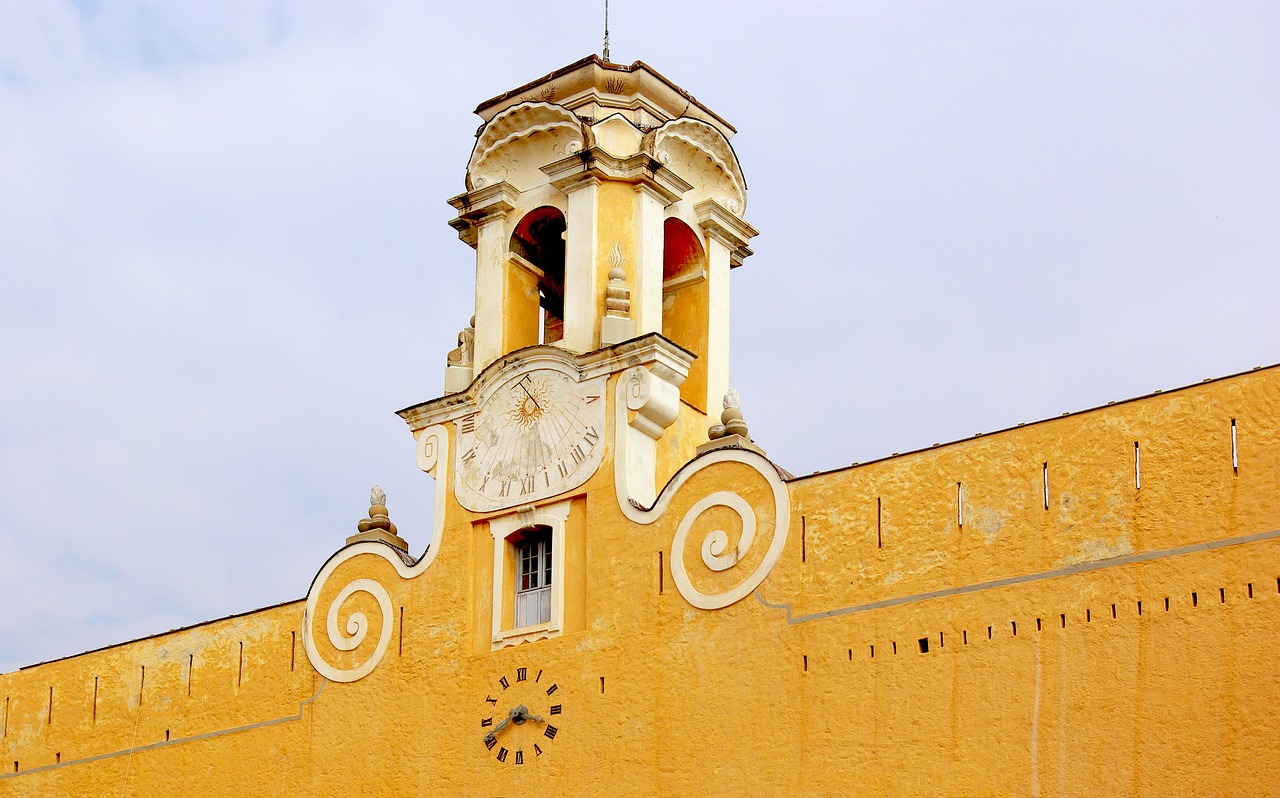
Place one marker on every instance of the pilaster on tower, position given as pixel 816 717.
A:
pixel 594 168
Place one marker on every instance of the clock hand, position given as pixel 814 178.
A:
pixel 511 715
pixel 526 716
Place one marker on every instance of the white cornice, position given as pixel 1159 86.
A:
pixel 665 357
pixel 595 163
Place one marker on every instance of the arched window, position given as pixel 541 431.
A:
pixel 538 249
pixel 684 302
pixel 533 576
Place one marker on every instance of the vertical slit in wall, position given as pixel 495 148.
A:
pixel 1250 590
pixel 1235 452
pixel 601 685
pixel 1222 595
pixel 661 574
pixel 6 712
pixel 895 646
pixel 1063 618
pixel 803 544
pixel 1139 607
pixel 1045 474
pixel 240 666
pixel 942 641
pixel 399 638
pixel 57 755
pixel 924 645
pixel 964 636
pixel 873 652
pixel 1195 600
pixel 1166 603
pixel 1137 466
pixel 1113 610
pixel 1088 616
pixel 959 504
pixel 879 524
pixel 95 699
pixel 805 657
pixel 1038 626
pixel 49 719
pixel 142 684
pixel 191 667
pixel 166 735
pixel 851 655
pixel 293 646
pixel 1014 624
pixel 988 632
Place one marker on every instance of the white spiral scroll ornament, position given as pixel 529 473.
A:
pixel 632 392
pixel 352 636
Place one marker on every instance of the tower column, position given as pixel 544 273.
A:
pixel 726 239
pixel 481 222
pixel 581 289
pixel 646 298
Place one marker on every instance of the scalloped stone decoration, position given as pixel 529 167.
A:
pixel 520 140
pixel 701 155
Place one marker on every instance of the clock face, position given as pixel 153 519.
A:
pixel 536 434
pixel 521 716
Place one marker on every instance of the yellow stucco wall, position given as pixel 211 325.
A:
pixel 779 693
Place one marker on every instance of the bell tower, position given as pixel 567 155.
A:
pixel 604 203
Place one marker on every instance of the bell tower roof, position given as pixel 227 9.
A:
pixel 594 89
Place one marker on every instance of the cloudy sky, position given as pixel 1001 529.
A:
pixel 225 258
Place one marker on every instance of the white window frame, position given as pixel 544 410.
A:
pixel 506 530
pixel 540 545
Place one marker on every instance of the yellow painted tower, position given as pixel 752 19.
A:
pixel 621 593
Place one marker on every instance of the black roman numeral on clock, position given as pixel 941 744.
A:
pixel 522 674
pixel 491 700
pixel 505 684
pixel 502 755
pixel 519 757
pixel 490 741
pixel 489 721
pixel 550 733
pixel 537 750
pixel 555 709
pixel 552 689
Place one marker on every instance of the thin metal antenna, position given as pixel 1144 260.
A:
pixel 606 31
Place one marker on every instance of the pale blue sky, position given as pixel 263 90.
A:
pixel 225 259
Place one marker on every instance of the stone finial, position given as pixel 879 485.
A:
pixel 460 363
pixel 464 354
pixel 616 326
pixel 732 429
pixel 378 526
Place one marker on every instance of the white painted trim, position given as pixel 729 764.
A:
pixel 501 528
pixel 431 454
pixel 714 542
pixel 692 278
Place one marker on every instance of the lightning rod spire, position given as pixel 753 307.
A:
pixel 606 31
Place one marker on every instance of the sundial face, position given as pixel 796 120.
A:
pixel 536 434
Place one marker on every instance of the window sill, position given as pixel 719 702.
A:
pixel 525 634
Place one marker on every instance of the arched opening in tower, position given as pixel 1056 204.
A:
pixel 535 310
pixel 684 302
